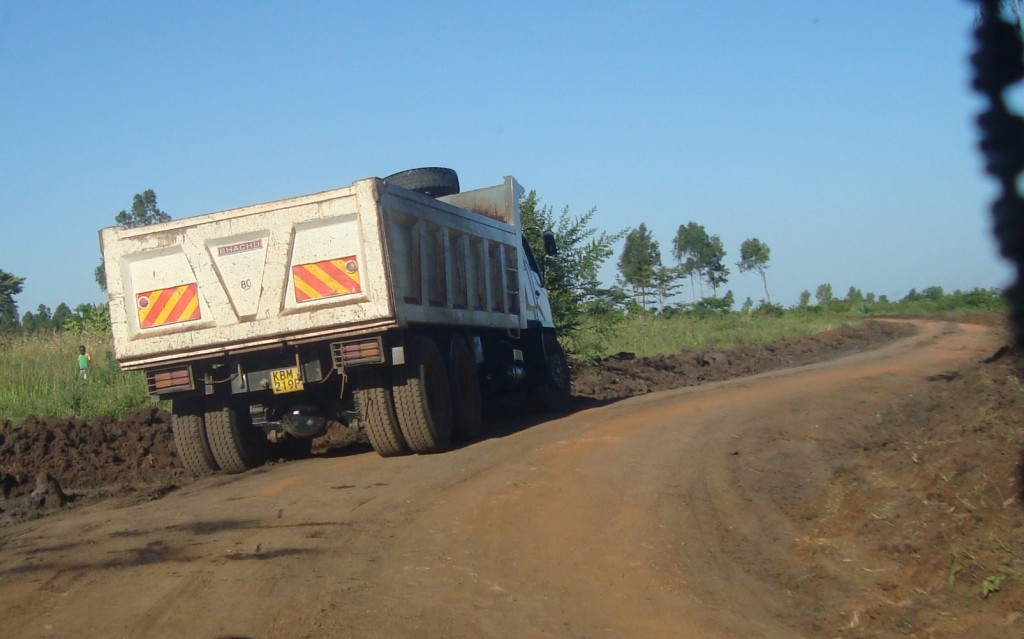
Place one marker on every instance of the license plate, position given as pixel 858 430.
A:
pixel 285 380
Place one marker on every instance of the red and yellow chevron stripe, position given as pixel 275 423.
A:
pixel 326 279
pixel 168 305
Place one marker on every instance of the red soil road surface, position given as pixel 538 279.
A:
pixel 666 515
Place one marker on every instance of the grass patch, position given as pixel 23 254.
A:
pixel 40 377
pixel 648 335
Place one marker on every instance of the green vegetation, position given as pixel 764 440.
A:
pixel 10 285
pixel 712 324
pixel 40 377
pixel 754 256
pixel 639 264
pixel 700 257
pixel 571 275
pixel 930 301
pixel 649 335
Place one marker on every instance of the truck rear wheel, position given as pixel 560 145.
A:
pixel 423 400
pixel 190 438
pixel 434 181
pixel 465 385
pixel 236 445
pixel 377 411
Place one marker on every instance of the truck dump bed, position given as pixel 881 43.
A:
pixel 359 259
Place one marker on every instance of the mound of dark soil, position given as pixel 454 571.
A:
pixel 624 375
pixel 41 456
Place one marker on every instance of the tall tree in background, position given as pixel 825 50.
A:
pixel 823 293
pixel 10 285
pixel 688 245
pixel 62 315
pixel 571 275
pixel 640 263
pixel 700 256
pixel 38 322
pixel 667 281
pixel 144 212
pixel 754 256
pixel 713 262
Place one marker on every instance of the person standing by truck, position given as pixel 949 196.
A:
pixel 83 362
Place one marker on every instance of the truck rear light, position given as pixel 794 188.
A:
pixel 169 379
pixel 354 352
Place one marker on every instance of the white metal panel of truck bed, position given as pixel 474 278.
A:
pixel 309 267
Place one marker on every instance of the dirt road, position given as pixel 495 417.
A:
pixel 675 514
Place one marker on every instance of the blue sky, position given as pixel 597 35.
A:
pixel 839 133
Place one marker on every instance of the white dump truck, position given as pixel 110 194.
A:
pixel 393 307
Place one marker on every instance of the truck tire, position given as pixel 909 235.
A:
pixel 465 385
pixel 555 391
pixel 190 438
pixel 236 445
pixel 423 400
pixel 377 412
pixel 434 181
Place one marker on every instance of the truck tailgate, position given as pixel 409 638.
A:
pixel 289 270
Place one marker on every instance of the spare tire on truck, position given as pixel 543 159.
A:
pixel 434 181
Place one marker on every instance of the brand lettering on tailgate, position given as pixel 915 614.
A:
pixel 168 305
pixel 326 279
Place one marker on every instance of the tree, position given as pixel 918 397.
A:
pixel 688 245
pixel 713 262
pixel 37 322
pixel 700 255
pixel 61 316
pixel 721 305
pixel 667 282
pixel 639 263
pixel 93 318
pixel 10 285
pixel 144 212
pixel 823 293
pixel 571 275
pixel 805 299
pixel 754 256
